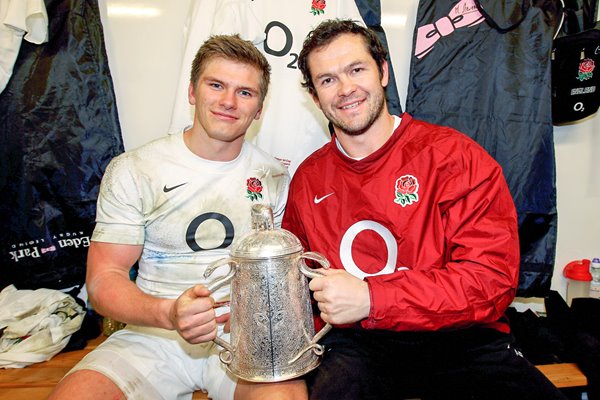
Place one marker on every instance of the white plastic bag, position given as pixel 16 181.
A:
pixel 35 325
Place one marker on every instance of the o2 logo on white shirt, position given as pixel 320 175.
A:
pixel 190 235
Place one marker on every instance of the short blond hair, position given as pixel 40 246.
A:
pixel 234 48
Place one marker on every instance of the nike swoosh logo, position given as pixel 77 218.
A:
pixel 317 200
pixel 168 189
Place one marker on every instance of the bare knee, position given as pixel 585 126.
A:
pixel 287 390
pixel 86 384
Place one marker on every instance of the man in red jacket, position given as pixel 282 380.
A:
pixel 421 231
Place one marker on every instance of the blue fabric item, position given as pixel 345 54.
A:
pixel 580 15
pixel 495 87
pixel 370 11
pixel 58 130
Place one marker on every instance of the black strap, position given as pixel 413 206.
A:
pixel 494 24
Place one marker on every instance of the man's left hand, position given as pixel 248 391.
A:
pixel 342 297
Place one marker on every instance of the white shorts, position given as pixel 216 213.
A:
pixel 153 363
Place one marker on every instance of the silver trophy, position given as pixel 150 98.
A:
pixel 272 330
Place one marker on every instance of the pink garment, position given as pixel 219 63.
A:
pixel 463 14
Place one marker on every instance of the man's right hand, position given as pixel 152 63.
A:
pixel 193 316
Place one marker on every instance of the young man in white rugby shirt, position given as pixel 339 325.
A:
pixel 176 204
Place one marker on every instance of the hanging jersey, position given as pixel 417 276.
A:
pixel 370 11
pixel 494 85
pixel 427 220
pixel 291 126
pixel 19 20
pixel 184 210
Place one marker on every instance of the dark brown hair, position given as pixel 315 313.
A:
pixel 329 30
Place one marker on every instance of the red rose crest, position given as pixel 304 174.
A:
pixel 254 188
pixel 318 7
pixel 407 188
pixel 586 69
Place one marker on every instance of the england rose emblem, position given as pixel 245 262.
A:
pixel 254 189
pixel 586 69
pixel 407 188
pixel 318 7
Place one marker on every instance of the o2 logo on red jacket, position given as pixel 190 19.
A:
pixel 348 241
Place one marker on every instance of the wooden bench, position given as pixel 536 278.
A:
pixel 36 381
pixel 564 375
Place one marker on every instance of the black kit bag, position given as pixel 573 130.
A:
pixel 59 129
pixel 575 76
pixel 483 68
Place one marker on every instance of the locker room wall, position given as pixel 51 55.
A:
pixel 144 41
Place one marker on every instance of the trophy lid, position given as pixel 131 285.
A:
pixel 264 241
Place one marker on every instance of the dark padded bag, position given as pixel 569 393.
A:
pixel 575 76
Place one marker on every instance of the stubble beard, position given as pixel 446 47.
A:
pixel 356 128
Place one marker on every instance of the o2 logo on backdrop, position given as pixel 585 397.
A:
pixel 278 30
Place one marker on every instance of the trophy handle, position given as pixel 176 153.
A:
pixel 313 273
pixel 217 283
pixel 309 272
pixel 317 348
pixel 226 356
